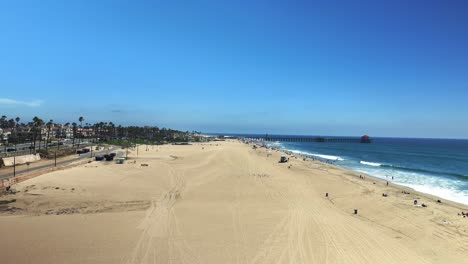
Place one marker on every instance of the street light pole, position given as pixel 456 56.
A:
pixel 14 166
pixel 126 152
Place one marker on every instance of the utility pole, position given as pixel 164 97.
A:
pixel 55 157
pixel 14 166
pixel 126 152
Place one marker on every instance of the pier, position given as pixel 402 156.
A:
pixel 363 139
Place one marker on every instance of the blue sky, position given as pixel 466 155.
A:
pixel 394 68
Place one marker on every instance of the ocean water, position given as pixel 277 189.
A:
pixel 434 166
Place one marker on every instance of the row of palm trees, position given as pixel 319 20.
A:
pixel 11 123
pixel 37 129
pixel 5 123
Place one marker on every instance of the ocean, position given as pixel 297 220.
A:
pixel 433 166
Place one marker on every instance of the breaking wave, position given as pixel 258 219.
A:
pixel 403 168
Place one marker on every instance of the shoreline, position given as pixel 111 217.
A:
pixel 225 202
pixel 434 197
pixel 326 159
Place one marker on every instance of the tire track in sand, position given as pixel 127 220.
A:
pixel 311 231
pixel 160 240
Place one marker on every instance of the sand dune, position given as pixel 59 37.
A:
pixel 223 203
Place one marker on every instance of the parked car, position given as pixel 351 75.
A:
pixel 283 159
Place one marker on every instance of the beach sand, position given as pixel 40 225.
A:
pixel 223 202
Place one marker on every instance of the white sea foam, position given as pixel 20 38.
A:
pixel 321 156
pixel 370 163
pixel 442 187
pixel 274 144
pixel 425 182
pixel 446 193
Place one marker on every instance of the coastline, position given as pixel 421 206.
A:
pixel 428 189
pixel 225 202
pixel 348 171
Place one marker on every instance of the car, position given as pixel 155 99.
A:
pixel 11 149
pixel 99 158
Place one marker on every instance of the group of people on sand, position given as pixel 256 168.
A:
pixel 463 214
pixel 416 204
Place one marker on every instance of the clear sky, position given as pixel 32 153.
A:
pixel 395 68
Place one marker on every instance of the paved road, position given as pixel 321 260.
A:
pixel 26 146
pixel 23 169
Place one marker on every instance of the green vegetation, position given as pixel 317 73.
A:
pixel 124 142
pixel 37 132
pixel 50 154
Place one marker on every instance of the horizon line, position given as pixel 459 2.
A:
pixel 302 135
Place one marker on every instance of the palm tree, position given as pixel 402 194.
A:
pixel 95 129
pixel 81 119
pixel 37 126
pixel 100 130
pixel 61 130
pixel 40 124
pixel 17 119
pixel 11 123
pixel 74 132
pixel 34 123
pixel 49 124
pixel 119 131
pixel 112 127
pixel 3 125
pixel 3 122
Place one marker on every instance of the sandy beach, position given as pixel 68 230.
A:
pixel 224 202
